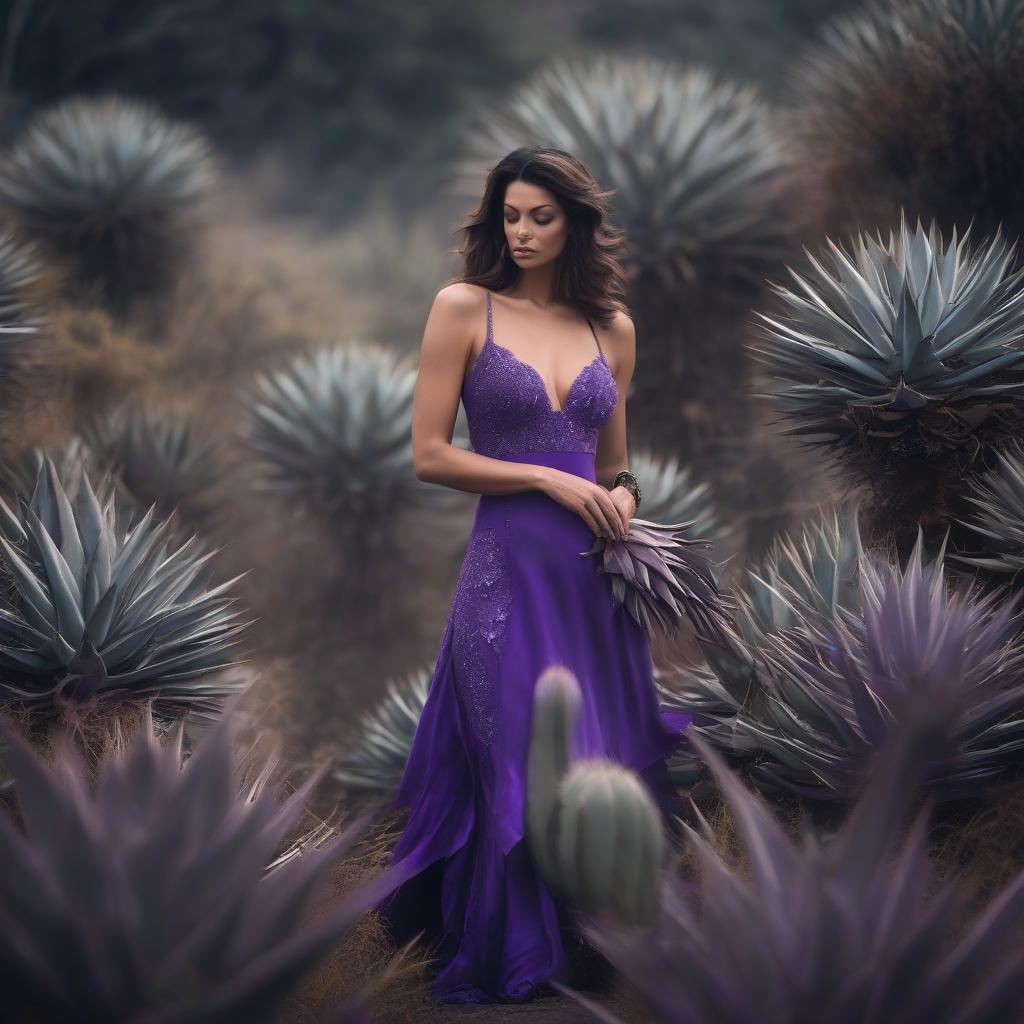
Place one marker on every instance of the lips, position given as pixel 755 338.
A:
pixel 520 249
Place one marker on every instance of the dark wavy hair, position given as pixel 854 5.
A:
pixel 589 274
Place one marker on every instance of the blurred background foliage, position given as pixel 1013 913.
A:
pixel 363 96
pixel 222 226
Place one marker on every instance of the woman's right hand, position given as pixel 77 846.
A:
pixel 590 501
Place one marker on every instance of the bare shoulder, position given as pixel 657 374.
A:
pixel 454 322
pixel 459 299
pixel 619 338
pixel 622 328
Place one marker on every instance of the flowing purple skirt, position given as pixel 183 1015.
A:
pixel 525 599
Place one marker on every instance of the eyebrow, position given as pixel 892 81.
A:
pixel 541 207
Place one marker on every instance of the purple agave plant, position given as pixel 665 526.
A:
pixel 164 895
pixel 660 573
pixel 836 684
pixel 842 933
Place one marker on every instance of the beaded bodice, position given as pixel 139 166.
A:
pixel 509 411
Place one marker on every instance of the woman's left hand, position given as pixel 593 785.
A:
pixel 624 503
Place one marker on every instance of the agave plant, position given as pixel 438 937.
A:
pixel 20 322
pixel 374 759
pixel 73 460
pixel 827 933
pixel 333 431
pixel 913 105
pixel 696 179
pixel 93 614
pixel 903 362
pixel 159 459
pixel 671 497
pixel 835 687
pixel 814 573
pixel 695 166
pixel 661 575
pixel 173 892
pixel 998 521
pixel 108 186
pixel 18 475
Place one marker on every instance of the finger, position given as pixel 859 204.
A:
pixel 588 517
pixel 623 518
pixel 601 515
pixel 612 513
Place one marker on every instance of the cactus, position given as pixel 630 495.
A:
pixel 610 841
pixel 592 827
pixel 332 433
pixel 912 104
pixel 857 928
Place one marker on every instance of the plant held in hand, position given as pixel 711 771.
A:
pixel 658 572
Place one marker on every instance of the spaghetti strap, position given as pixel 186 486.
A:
pixel 489 339
pixel 598 340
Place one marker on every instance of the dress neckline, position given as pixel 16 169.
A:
pixel 489 340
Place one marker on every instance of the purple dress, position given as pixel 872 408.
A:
pixel 524 599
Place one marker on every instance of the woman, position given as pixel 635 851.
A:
pixel 546 412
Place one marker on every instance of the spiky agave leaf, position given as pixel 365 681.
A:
pixel 669 496
pixel 21 325
pixel 837 687
pixel 998 520
pixel 18 475
pixel 333 430
pixel 816 571
pixel 656 573
pixel 74 460
pixel 906 351
pixel 335 421
pixel 165 894
pixel 107 185
pixel 374 759
pixel 934 81
pixel 853 930
pixel 712 709
pixel 95 614
pixel 159 458
pixel 693 162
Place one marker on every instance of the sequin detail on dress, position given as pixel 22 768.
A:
pixel 509 410
pixel 481 605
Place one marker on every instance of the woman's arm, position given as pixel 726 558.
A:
pixel 445 355
pixel 612 450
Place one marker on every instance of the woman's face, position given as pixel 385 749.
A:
pixel 533 219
